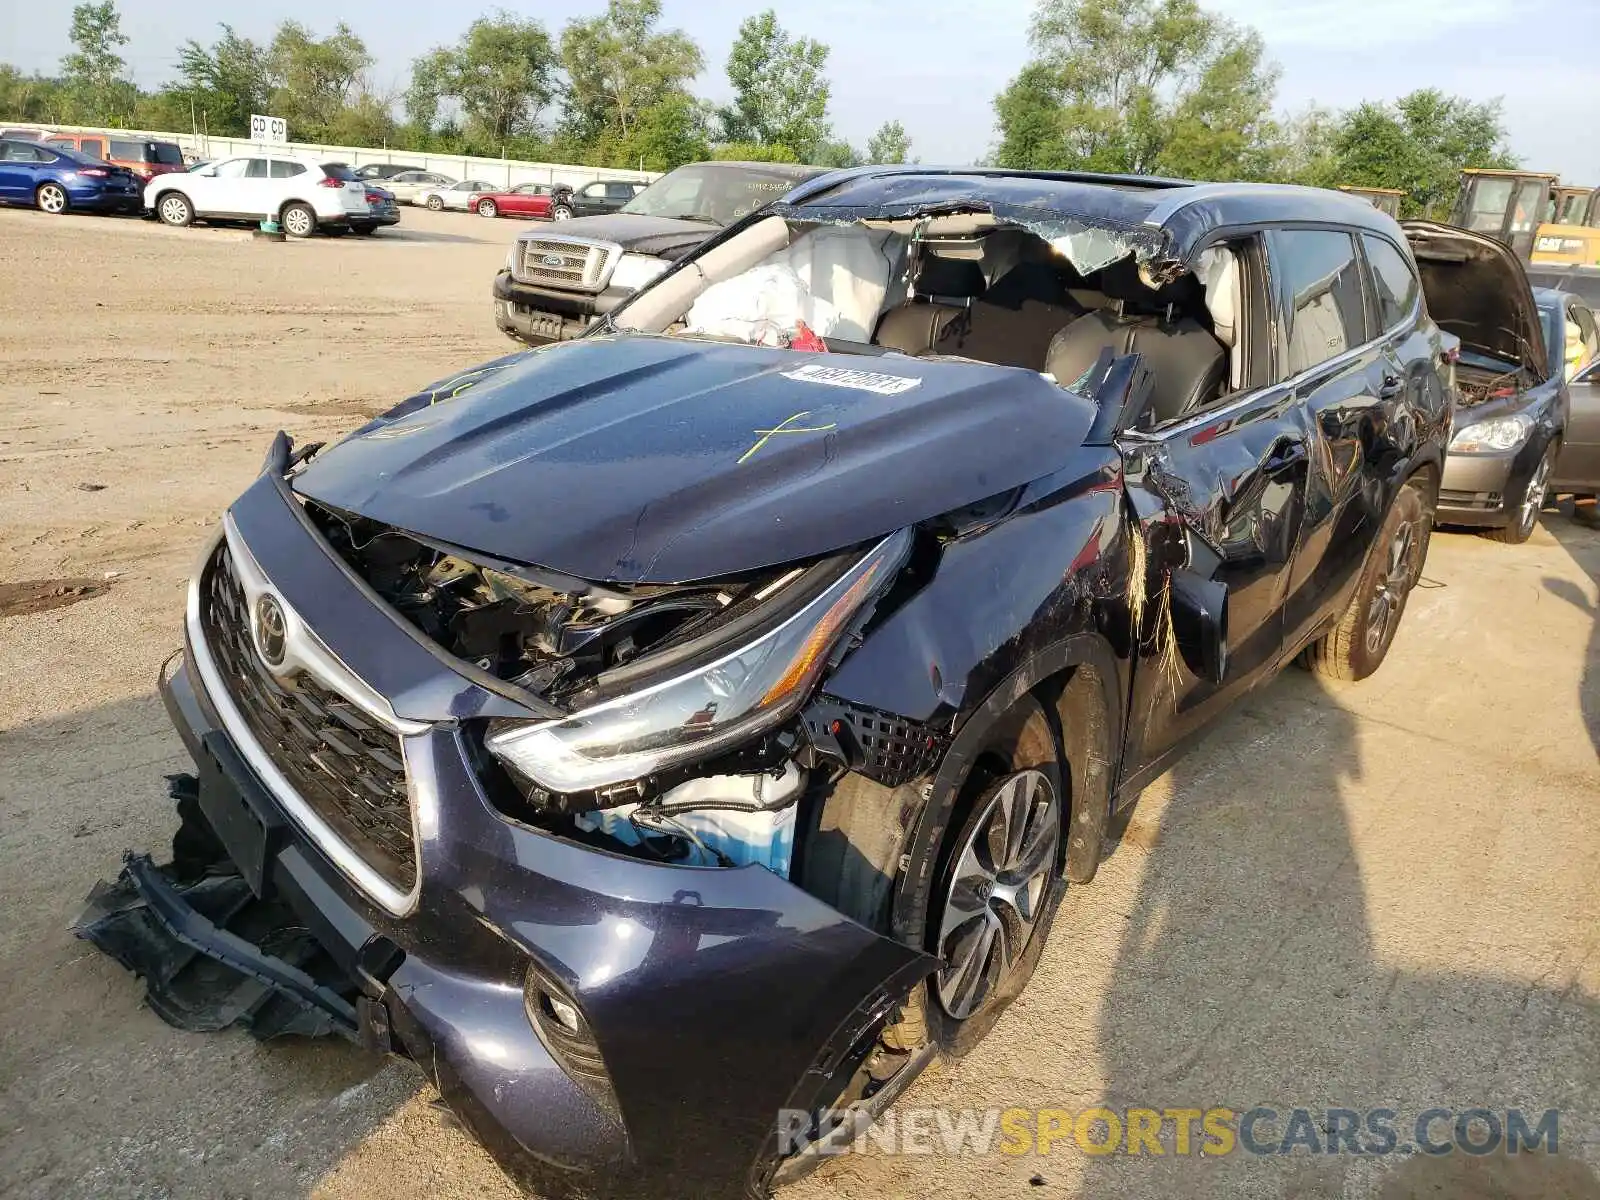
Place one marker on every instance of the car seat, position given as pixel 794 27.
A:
pixel 1189 364
pixel 944 289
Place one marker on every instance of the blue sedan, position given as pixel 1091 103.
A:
pixel 54 179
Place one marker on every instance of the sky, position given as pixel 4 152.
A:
pixel 936 65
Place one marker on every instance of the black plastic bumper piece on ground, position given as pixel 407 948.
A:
pixel 212 955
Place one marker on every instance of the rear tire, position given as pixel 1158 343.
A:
pixel 435 204
pixel 51 198
pixel 488 208
pixel 298 220
pixel 1524 519
pixel 174 209
pixel 1356 646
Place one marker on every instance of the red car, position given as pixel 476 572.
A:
pixel 524 200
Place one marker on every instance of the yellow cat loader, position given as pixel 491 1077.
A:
pixel 1546 223
pixel 1385 200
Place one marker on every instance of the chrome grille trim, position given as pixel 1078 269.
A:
pixel 566 263
pixel 308 653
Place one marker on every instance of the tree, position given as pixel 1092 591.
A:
pixel 836 154
pixel 1141 86
pixel 502 73
pixel 1420 144
pixel 94 73
pixel 31 97
pixel 780 94
pixel 226 82
pixel 618 66
pixel 753 152
pixel 889 145
pixel 314 79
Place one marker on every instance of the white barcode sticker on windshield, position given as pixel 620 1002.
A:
pixel 861 381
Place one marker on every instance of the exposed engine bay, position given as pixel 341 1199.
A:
pixel 551 635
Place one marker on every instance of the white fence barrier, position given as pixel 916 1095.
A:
pixel 500 172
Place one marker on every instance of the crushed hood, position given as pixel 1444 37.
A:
pixel 662 237
pixel 1477 289
pixel 663 460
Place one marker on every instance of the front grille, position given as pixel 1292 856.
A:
pixel 344 765
pixel 566 263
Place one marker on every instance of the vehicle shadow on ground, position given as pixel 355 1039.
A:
pixel 1277 956
pixel 1584 547
pixel 99 1098
pixel 399 233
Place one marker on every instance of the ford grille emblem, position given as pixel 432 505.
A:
pixel 271 631
pixel 552 260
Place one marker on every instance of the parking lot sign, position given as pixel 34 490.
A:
pixel 270 131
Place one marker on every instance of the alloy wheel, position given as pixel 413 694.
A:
pixel 297 222
pixel 174 210
pixel 560 213
pixel 53 199
pixel 487 209
pixel 1002 874
pixel 1533 501
pixel 1383 614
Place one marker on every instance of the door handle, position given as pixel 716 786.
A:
pixel 1391 387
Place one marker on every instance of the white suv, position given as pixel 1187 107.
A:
pixel 300 193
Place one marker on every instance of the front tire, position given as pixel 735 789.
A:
pixel 298 220
pixel 998 879
pixel 1524 519
pixel 174 209
pixel 561 212
pixel 1357 645
pixel 488 208
pixel 51 198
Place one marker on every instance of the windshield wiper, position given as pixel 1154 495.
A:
pixel 701 217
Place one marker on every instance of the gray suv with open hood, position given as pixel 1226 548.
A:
pixel 554 283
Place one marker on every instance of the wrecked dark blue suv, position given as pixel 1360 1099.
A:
pixel 700 722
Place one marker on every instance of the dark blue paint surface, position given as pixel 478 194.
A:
pixel 655 459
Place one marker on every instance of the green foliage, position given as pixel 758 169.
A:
pixel 35 97
pixel 225 82
pixel 753 152
pixel 1140 86
pixel 618 67
pixel 780 91
pixel 836 154
pixel 314 80
pixel 501 73
pixel 94 74
pixel 889 145
pixel 1420 143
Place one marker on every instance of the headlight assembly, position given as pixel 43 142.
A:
pixel 694 715
pixel 512 254
pixel 1493 436
pixel 633 271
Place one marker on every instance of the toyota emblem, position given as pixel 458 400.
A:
pixel 271 630
pixel 552 260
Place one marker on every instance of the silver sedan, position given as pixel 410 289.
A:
pixel 410 186
pixel 457 195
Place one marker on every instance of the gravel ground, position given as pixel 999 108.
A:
pixel 1371 896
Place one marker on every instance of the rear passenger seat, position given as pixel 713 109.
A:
pixel 1011 324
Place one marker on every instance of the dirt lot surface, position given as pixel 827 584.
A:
pixel 1382 895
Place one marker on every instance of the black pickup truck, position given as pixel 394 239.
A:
pixel 556 281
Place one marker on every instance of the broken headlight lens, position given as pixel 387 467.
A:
pixel 712 708
pixel 1492 436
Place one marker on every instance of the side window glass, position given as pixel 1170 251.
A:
pixel 233 168
pixel 595 190
pixel 1319 281
pixel 93 147
pixel 257 169
pixel 64 143
pixel 1392 277
pixel 286 170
